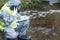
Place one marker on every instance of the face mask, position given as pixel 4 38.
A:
pixel 18 7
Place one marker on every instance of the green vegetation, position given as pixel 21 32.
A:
pixel 31 5
pixel 24 4
pixel 2 2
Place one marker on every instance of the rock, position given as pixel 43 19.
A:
pixel 46 31
pixel 55 34
pixel 40 28
pixel 34 17
pixel 31 16
pixel 28 11
pixel 54 11
pixel 34 13
pixel 42 14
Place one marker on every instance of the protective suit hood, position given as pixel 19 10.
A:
pixel 13 2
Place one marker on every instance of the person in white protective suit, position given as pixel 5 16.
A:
pixel 10 15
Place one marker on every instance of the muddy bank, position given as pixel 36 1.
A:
pixel 47 28
pixel 43 34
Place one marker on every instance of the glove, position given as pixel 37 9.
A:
pixel 14 12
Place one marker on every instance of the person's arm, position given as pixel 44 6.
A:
pixel 22 18
pixel 6 17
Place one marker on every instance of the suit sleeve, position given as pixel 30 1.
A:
pixel 7 18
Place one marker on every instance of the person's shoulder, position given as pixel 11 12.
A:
pixel 4 11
